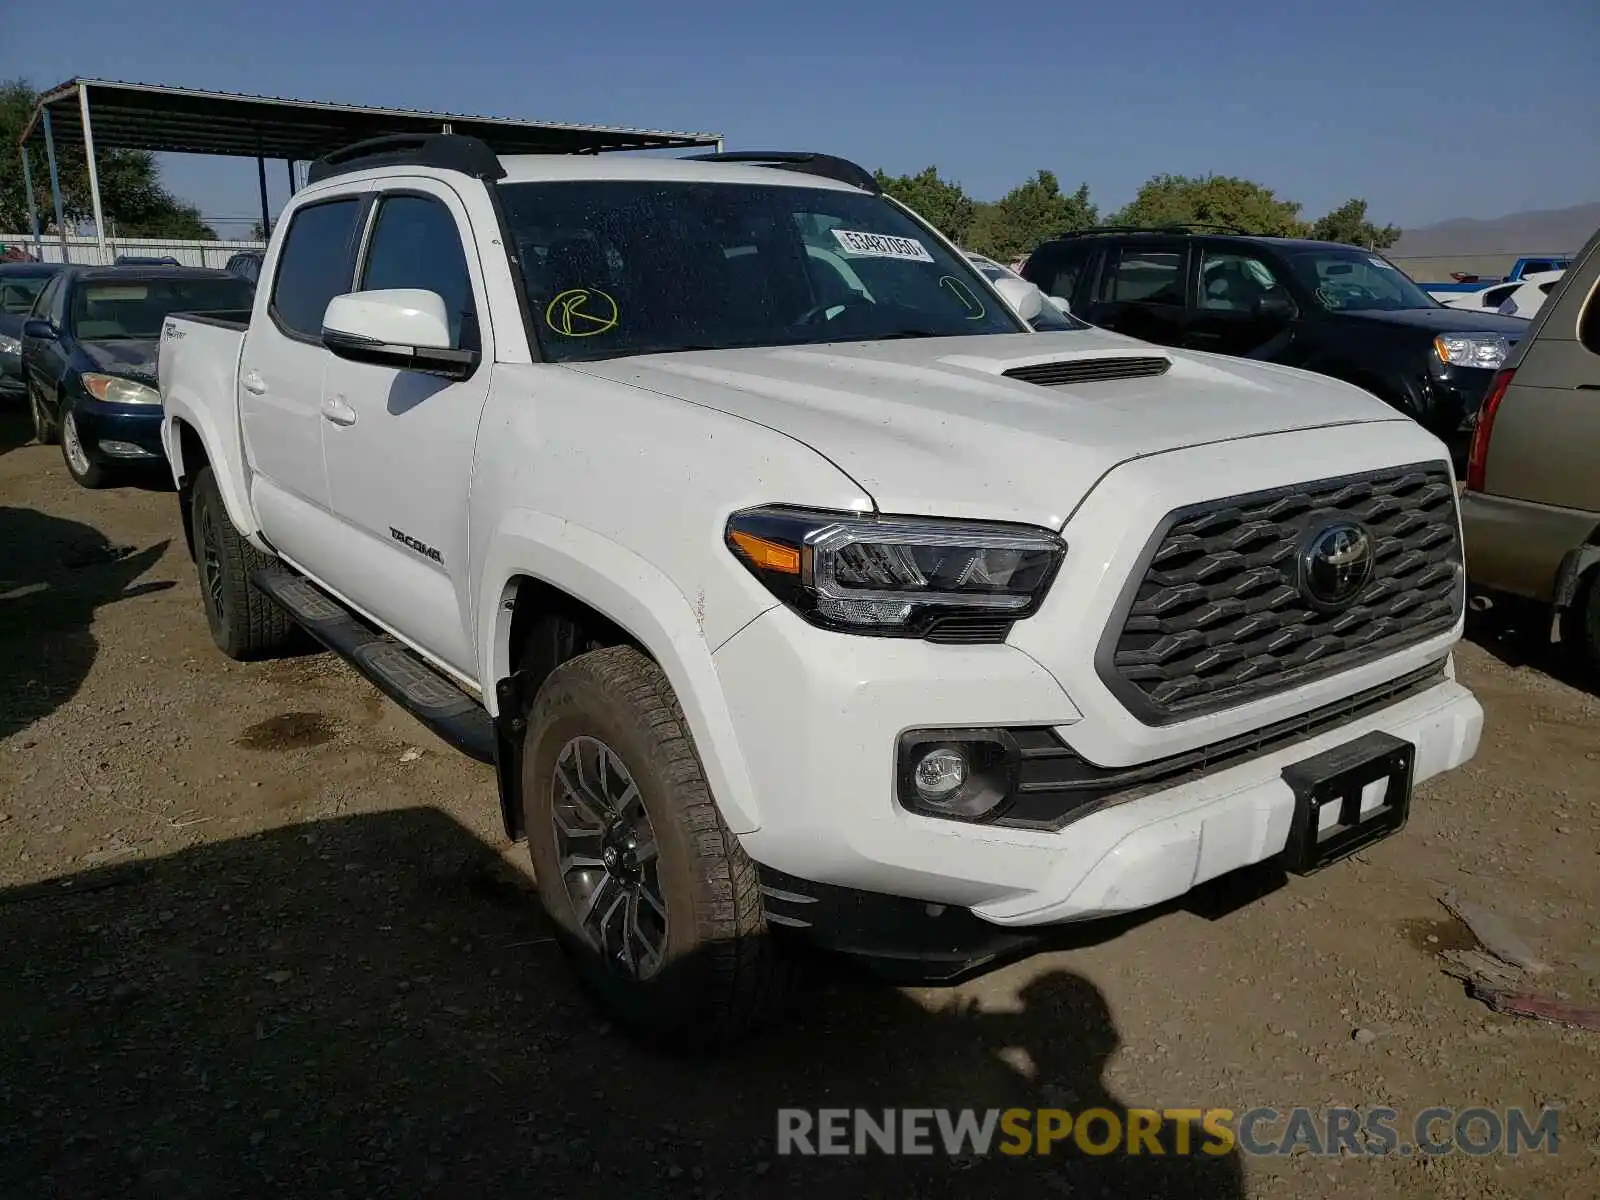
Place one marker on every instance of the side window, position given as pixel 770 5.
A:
pixel 1234 282
pixel 1496 296
pixel 314 265
pixel 56 306
pixel 1056 272
pixel 42 301
pixel 415 244
pixel 1144 275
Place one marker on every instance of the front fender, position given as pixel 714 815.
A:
pixel 637 597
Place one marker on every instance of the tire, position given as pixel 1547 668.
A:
pixel 45 430
pixel 245 623
pixel 85 472
pixel 1580 626
pixel 715 976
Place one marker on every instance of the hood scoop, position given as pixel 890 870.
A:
pixel 1068 371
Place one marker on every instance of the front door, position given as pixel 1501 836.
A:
pixel 399 445
pixel 1242 307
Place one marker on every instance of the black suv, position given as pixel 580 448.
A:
pixel 1330 308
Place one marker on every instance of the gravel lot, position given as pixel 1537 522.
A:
pixel 260 935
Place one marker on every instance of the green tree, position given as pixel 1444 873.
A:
pixel 1213 199
pixel 1028 214
pixel 1348 224
pixel 131 196
pixel 943 204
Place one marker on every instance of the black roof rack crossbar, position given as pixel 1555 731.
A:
pixel 827 166
pixel 1175 227
pixel 443 151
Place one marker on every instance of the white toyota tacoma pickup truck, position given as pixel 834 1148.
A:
pixel 794 584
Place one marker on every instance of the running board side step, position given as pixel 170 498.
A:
pixel 398 671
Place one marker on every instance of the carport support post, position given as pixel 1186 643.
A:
pixel 33 205
pixel 94 176
pixel 55 185
pixel 289 162
pixel 261 178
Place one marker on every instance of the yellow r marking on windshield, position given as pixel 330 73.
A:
pixel 581 312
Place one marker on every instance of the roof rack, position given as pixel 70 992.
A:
pixel 443 151
pixel 827 166
pixel 1181 227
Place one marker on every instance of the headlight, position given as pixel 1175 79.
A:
pixel 119 391
pixel 1486 350
pixel 9 345
pixel 957 581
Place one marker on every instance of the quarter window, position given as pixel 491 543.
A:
pixel 314 265
pixel 1589 322
pixel 415 244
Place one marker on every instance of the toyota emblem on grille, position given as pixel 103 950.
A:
pixel 1335 565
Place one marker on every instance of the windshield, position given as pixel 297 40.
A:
pixel 18 291
pixel 1351 280
pixel 104 309
pixel 617 267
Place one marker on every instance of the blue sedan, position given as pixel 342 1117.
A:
pixel 89 359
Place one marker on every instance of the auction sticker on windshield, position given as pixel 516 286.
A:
pixel 882 245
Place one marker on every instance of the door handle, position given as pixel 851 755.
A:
pixel 336 410
pixel 253 383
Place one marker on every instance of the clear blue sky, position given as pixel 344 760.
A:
pixel 1428 108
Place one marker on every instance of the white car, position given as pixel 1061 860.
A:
pixel 792 602
pixel 1519 298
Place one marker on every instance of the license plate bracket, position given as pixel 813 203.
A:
pixel 1341 776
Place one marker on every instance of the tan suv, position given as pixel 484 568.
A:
pixel 1531 510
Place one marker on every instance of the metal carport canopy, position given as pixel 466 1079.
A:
pixel 167 120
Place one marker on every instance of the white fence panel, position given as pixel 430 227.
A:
pixel 86 251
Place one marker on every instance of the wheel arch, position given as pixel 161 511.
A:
pixel 538 565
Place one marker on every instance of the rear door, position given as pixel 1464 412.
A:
pixel 280 378
pixel 399 444
pixel 1546 438
pixel 1141 290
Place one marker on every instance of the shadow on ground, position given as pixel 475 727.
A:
pixel 54 575
pixel 16 426
pixel 371 1006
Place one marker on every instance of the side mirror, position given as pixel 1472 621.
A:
pixel 404 328
pixel 1025 299
pixel 1275 305
pixel 39 329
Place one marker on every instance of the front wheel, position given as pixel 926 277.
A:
pixel 84 470
pixel 653 899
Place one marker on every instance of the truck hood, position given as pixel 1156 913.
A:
pixel 933 426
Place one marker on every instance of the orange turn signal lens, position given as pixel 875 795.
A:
pixel 768 556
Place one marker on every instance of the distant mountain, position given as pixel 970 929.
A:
pixel 1541 232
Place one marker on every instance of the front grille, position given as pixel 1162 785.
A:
pixel 1218 617
pixel 1089 370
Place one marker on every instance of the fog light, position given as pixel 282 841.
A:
pixel 124 450
pixel 940 774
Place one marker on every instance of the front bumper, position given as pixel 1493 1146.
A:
pixel 119 432
pixel 12 384
pixel 818 717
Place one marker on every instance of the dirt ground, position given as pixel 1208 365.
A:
pixel 260 935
